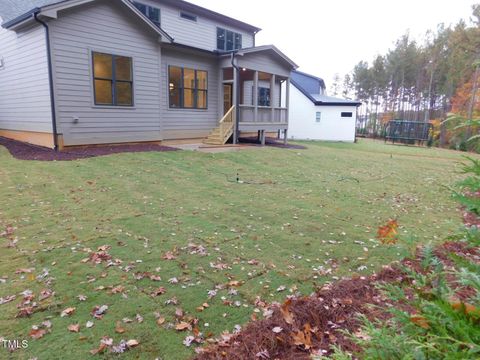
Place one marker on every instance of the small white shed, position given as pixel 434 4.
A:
pixel 315 116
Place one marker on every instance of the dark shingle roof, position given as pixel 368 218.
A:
pixel 12 9
pixel 313 88
pixel 309 83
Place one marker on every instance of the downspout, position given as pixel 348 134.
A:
pixel 50 79
pixel 237 97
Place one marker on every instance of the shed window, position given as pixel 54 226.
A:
pixel 318 116
pixel 188 88
pixel 346 114
pixel 228 40
pixel 113 79
pixel 188 16
pixel 153 13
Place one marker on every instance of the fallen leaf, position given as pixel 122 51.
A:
pixel 302 338
pixel 277 329
pixel 99 311
pixel 183 326
pixel 420 321
pixel 99 350
pixel 74 328
pixel 119 329
pixel 67 312
pixel 188 341
pixel 132 343
pixel 388 234
pixel 160 321
pixel 160 291
pixel 179 313
pixel 89 324
pixel 37 333
pixel 45 294
pixel 285 310
pixel 169 256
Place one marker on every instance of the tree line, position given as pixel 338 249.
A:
pixel 419 81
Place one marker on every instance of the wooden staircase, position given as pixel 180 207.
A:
pixel 221 134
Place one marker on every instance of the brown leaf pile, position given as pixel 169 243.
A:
pixel 301 327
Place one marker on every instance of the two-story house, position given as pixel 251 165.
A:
pixel 77 72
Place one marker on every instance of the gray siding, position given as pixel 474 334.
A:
pixel 263 61
pixel 113 29
pixel 189 123
pixel 201 34
pixel 24 84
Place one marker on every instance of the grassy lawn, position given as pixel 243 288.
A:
pixel 297 219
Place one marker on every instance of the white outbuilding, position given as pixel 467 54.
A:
pixel 315 116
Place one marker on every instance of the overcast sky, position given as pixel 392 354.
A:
pixel 328 37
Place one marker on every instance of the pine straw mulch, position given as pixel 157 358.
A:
pixel 321 319
pixel 24 151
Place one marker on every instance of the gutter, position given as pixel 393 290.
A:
pixel 19 19
pixel 50 79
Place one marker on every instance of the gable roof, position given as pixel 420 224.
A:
pixel 313 87
pixel 13 11
pixel 268 48
pixel 50 7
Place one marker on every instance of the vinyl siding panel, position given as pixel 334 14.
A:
pixel 189 123
pixel 25 88
pixel 263 61
pixel 201 33
pixel 113 29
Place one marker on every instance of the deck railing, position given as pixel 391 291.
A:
pixel 264 114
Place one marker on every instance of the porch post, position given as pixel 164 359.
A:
pixel 255 96
pixel 235 102
pixel 287 104
pixel 272 96
pixel 287 98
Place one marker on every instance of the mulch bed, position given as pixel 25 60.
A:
pixel 329 312
pixel 270 142
pixel 24 151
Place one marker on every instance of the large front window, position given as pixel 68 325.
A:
pixel 228 40
pixel 188 88
pixel 112 79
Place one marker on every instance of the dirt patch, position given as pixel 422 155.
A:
pixel 270 142
pixel 24 151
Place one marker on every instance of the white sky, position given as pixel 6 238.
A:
pixel 328 37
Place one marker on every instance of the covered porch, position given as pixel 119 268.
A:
pixel 254 91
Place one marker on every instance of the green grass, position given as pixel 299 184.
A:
pixel 295 211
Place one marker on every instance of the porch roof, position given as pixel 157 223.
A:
pixel 268 48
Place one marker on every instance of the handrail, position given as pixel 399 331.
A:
pixel 228 115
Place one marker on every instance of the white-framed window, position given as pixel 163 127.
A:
pixel 318 116
pixel 151 12
pixel 228 40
